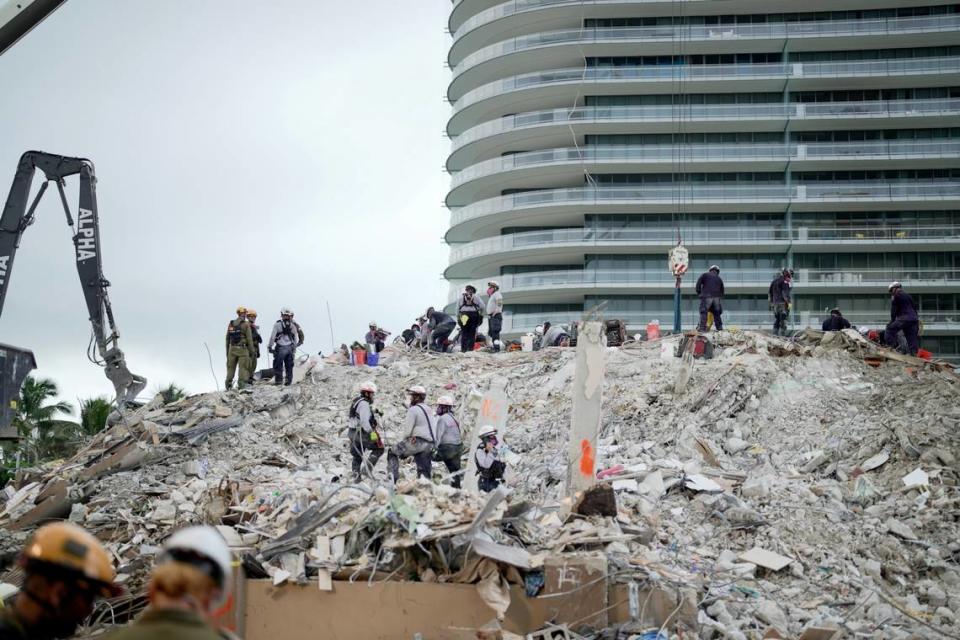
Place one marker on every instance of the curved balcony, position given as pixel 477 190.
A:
pixel 488 254
pixel 552 127
pixel 565 167
pixel 553 49
pixel 567 206
pixel 557 87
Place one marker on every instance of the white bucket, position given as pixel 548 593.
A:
pixel 526 342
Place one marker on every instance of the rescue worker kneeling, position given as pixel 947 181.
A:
pixel 449 439
pixel 489 466
pixel 363 432
pixel 190 582
pixel 420 436
pixel 65 570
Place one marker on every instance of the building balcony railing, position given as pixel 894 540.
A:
pixel 712 72
pixel 712 33
pixel 694 193
pixel 666 237
pixel 860 151
pixel 709 112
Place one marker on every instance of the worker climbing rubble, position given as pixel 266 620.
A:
pixel 489 466
pixel 778 297
pixel 284 340
pixel 555 335
pixel 440 326
pixel 65 570
pixel 241 350
pixel 190 582
pixel 419 436
pixel 903 317
pixel 469 316
pixel 449 439
pixel 494 314
pixel 257 341
pixel 836 321
pixel 366 444
pixel 709 288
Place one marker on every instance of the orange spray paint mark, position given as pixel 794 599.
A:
pixel 587 459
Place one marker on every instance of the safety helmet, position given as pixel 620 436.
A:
pixel 788 272
pixel 539 330
pixel 286 311
pixel 252 313
pixel 417 390
pixel 368 386
pixel 470 288
pixel 493 283
pixel 894 285
pixel 445 401
pixel 241 310
pixel 487 430
pixel 65 548
pixel 836 311
pixel 203 547
pixel 372 325
pixel 714 267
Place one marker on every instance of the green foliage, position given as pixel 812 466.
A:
pixel 93 415
pixel 43 434
pixel 172 393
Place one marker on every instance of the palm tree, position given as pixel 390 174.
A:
pixel 172 393
pixel 93 415
pixel 36 418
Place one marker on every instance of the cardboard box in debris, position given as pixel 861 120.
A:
pixel 785 488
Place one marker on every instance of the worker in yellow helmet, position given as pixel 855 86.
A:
pixel 66 569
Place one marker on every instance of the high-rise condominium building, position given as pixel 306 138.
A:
pixel 821 135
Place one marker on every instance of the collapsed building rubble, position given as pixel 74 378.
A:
pixel 788 488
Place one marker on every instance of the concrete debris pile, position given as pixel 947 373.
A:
pixel 786 487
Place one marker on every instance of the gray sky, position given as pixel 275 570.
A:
pixel 256 153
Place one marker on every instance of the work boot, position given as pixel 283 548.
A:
pixel 278 383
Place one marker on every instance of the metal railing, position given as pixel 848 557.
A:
pixel 693 73
pixel 711 33
pixel 700 236
pixel 709 193
pixel 708 112
pixel 719 152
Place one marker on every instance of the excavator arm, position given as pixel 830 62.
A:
pixel 18 214
pixel 18 17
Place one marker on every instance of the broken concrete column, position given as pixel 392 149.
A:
pixel 587 394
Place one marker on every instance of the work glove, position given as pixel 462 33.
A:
pixel 374 437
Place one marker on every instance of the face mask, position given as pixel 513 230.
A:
pixel 490 291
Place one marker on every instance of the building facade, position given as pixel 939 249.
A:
pixel 818 135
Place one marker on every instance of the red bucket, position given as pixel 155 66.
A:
pixel 359 357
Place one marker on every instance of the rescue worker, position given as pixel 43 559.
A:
pixel 374 338
pixel 449 439
pixel 240 350
pixel 778 296
pixel 257 341
pixel 420 438
pixel 363 432
pixel 710 290
pixel 65 570
pixel 411 336
pixel 489 466
pixel 555 336
pixel 470 317
pixel 189 583
pixel 441 326
pixel 284 340
pixel 836 321
pixel 903 317
pixel 494 313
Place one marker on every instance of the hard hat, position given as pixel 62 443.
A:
pixel 493 283
pixel 372 324
pixel 487 430
pixel 368 386
pixel 445 401
pixel 286 311
pixel 252 312
pixel 470 288
pixel 894 285
pixel 65 546
pixel 714 267
pixel 194 545
pixel 241 310
pixel 836 311
pixel 417 390
pixel 539 330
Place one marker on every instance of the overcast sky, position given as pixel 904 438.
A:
pixel 247 152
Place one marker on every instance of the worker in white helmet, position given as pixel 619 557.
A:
pixel 190 582
pixel 419 429
pixel 494 313
pixel 284 340
pixel 449 439
pixel 363 432
pixel 489 466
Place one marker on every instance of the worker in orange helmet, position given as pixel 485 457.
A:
pixel 66 570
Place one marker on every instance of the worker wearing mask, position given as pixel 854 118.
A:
pixel 903 317
pixel 420 439
pixel 364 435
pixel 470 316
pixel 374 338
pixel 710 290
pixel 441 326
pixel 190 582
pixel 284 340
pixel 449 439
pixel 836 321
pixel 257 341
pixel 489 466
pixel 778 296
pixel 494 313
pixel 241 350
pixel 65 570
